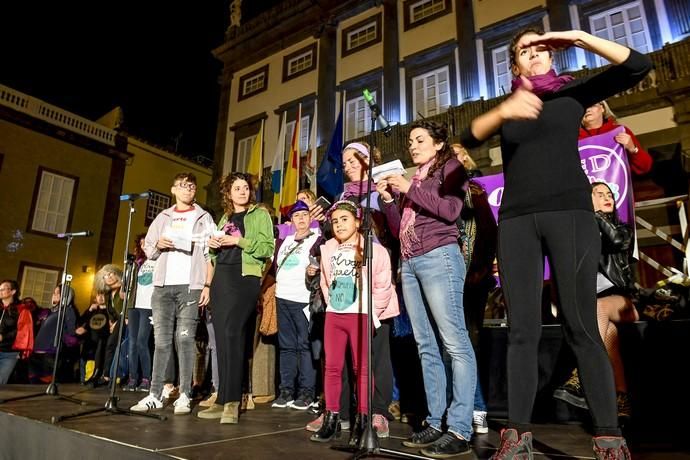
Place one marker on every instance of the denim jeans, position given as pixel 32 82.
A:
pixel 139 328
pixel 170 304
pixel 8 359
pixel 432 288
pixel 295 349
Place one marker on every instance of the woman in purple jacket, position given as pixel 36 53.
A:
pixel 433 274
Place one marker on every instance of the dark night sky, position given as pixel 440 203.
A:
pixel 152 58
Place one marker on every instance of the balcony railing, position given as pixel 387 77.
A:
pixel 671 64
pixel 55 115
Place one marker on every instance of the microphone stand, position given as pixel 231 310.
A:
pixel 52 389
pixel 111 407
pixel 369 441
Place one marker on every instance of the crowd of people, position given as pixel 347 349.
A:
pixel 435 240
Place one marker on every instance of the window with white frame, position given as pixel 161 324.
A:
pixel 362 35
pixel 502 74
pixel 299 63
pixel 253 84
pixel 425 8
pixel 243 152
pixel 39 284
pixel 431 93
pixel 156 203
pixel 358 117
pixel 53 203
pixel 303 135
pixel 625 24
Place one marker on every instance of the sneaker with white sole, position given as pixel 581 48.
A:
pixel 182 405
pixel 149 403
pixel 380 424
pixel 479 423
pixel 285 399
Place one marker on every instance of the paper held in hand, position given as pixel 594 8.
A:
pixel 387 169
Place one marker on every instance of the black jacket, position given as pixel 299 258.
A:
pixel 616 251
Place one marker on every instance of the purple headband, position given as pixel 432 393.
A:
pixel 359 147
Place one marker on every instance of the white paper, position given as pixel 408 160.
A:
pixel 387 169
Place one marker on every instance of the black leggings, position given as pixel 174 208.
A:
pixel 572 243
pixel 233 302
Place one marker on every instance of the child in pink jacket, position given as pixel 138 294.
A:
pixel 344 286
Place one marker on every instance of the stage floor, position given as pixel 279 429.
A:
pixel 26 432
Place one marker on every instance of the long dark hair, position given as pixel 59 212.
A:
pixel 439 133
pixel 139 254
pixel 612 215
pixel 226 185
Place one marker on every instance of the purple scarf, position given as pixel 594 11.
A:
pixel 356 189
pixel 543 84
pixel 407 234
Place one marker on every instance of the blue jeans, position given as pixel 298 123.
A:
pixel 295 348
pixel 139 328
pixel 432 288
pixel 171 305
pixel 8 359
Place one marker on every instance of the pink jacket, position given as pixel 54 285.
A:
pixel 383 292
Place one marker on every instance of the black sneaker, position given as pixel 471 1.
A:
pixel 426 437
pixel 284 400
pixel 448 445
pixel 571 392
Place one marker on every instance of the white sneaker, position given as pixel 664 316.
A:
pixel 182 405
pixel 479 422
pixel 150 402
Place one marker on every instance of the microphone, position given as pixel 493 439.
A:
pixel 73 234
pixel 135 196
pixel 376 112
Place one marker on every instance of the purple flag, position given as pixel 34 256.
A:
pixel 603 160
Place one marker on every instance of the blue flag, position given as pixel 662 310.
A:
pixel 330 173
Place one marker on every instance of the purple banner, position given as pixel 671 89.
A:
pixel 603 160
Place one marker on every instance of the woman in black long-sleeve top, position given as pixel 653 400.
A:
pixel 547 210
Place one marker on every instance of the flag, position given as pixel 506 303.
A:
pixel 330 173
pixel 277 167
pixel 256 161
pixel 291 182
pixel 311 157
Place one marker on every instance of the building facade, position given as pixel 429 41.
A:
pixel 64 173
pixel 440 59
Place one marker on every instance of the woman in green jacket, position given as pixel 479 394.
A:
pixel 241 246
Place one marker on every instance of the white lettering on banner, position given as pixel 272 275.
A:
pixel 495 197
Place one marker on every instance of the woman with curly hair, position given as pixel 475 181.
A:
pixel 433 273
pixel 241 246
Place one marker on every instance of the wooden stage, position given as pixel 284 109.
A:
pixel 26 432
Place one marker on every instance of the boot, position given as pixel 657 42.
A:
pixel 514 447
pixel 231 413
pixel 213 412
pixel 330 429
pixel 357 430
pixel 610 448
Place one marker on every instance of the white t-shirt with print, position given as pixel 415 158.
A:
pixel 145 284
pixel 181 230
pixel 290 277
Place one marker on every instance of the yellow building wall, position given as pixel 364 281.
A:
pixel 362 61
pixel 25 151
pixel 426 35
pixel 488 12
pixel 277 94
pixel 649 122
pixel 154 169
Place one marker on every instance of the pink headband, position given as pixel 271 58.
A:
pixel 359 147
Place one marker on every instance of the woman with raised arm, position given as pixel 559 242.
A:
pixel 547 209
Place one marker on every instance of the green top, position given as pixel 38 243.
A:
pixel 257 243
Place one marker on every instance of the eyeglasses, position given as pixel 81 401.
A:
pixel 187 186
